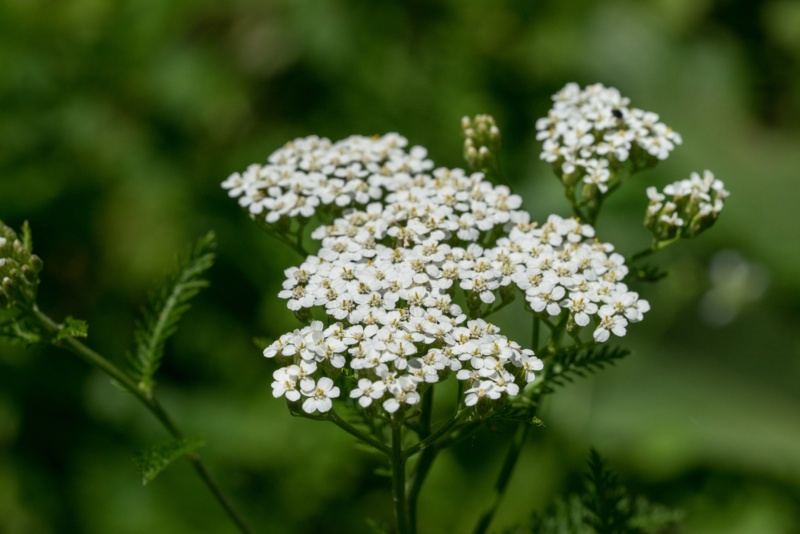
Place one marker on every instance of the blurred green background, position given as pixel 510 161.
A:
pixel 118 121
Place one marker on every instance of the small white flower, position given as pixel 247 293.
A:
pixel 484 389
pixel 319 394
pixel 610 323
pixel 286 383
pixel 367 391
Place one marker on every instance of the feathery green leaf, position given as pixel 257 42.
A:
pixel 153 460
pixel 604 506
pixel 605 500
pixel 570 363
pixel 167 306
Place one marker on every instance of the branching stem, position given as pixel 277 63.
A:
pixel 150 403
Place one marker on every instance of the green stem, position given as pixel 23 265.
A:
pixel 149 401
pixel 503 304
pixel 624 176
pixel 350 429
pixel 430 441
pixel 655 247
pixel 424 462
pixel 460 434
pixel 398 460
pixel 296 245
pixel 557 331
pixel 569 192
pixel 504 477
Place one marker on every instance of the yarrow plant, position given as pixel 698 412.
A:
pixel 404 264
pixel 412 259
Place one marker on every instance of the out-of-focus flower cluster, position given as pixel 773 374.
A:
pixel 589 133
pixel 685 208
pixel 388 276
pixel 19 271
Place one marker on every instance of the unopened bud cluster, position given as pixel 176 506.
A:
pixel 481 142
pixel 19 271
pixel 685 208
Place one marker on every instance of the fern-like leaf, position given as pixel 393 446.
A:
pixel 604 506
pixel 569 364
pixel 153 460
pixel 605 500
pixel 564 516
pixel 166 307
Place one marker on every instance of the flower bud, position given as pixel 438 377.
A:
pixel 36 263
pixel 481 142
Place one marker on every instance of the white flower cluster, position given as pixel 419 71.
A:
pixel 311 172
pixel 686 207
pixel 588 132
pixel 388 275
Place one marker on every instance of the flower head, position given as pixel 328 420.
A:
pixel 312 172
pixel 591 131
pixel 685 208
pixel 387 276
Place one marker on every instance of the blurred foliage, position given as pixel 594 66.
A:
pixel 118 121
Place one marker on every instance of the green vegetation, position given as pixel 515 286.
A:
pixel 118 121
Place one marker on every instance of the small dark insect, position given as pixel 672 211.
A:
pixel 617 113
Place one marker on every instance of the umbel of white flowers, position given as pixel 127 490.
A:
pixel 387 275
pixel 590 133
pixel 406 242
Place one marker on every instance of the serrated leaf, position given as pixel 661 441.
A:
pixel 72 328
pixel 605 499
pixel 167 305
pixel 153 460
